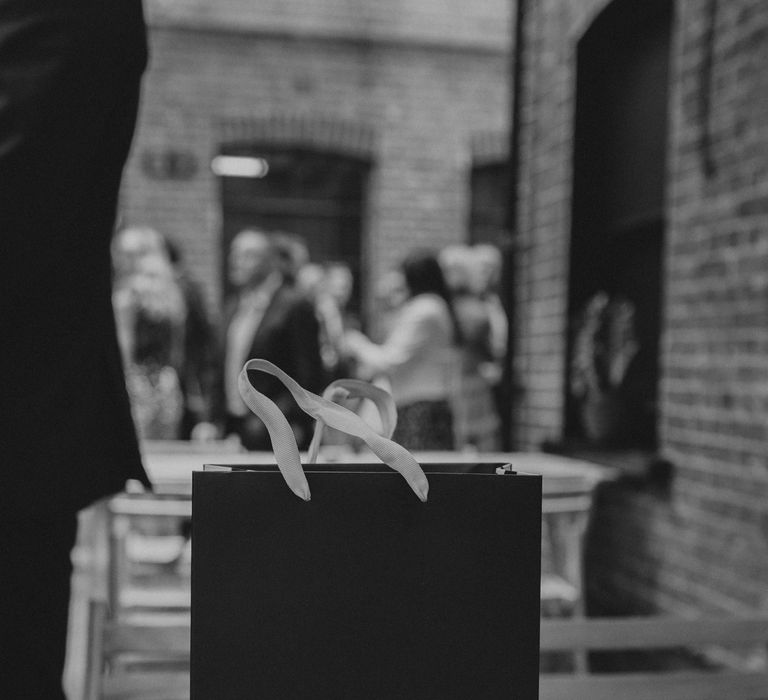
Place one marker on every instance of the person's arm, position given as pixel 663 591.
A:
pixel 124 308
pixel 499 327
pixel 410 334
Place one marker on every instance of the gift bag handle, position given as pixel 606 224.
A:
pixel 342 389
pixel 331 414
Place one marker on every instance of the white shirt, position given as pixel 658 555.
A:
pixel 252 306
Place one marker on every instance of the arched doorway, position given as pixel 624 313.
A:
pixel 316 194
pixel 619 182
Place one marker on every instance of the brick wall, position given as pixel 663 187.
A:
pixel 422 83
pixel 703 544
pixel 541 271
pixel 425 22
pixel 715 354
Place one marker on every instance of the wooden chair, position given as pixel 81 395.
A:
pixel 166 586
pixel 137 657
pixel 642 633
pixel 565 516
pixel 138 633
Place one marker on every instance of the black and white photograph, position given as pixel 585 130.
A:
pixel 384 350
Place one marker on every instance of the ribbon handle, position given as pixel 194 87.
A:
pixel 334 416
pixel 341 389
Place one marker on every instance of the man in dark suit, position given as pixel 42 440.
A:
pixel 69 89
pixel 268 319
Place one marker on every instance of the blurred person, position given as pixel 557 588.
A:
pixel 312 281
pixel 477 422
pixel 195 363
pixel 418 356
pixel 132 243
pixel 340 283
pixel 292 254
pixel 390 293
pixel 338 286
pixel 198 367
pixel 485 280
pixel 267 318
pixel 454 263
pixel 330 287
pixel 151 317
pixel 70 76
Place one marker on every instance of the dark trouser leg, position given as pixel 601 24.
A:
pixel 35 573
pixel 69 74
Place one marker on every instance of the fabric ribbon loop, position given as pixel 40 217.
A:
pixel 342 389
pixel 326 412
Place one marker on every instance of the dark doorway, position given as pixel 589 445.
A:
pixel 317 195
pixel 488 203
pixel 619 168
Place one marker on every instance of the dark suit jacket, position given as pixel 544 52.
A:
pixel 69 87
pixel 288 336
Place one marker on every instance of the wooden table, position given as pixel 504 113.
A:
pixel 567 489
pixel 170 464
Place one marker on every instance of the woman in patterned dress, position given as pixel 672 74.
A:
pixel 150 313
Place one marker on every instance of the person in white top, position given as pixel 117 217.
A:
pixel 418 357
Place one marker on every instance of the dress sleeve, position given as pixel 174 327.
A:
pixel 417 324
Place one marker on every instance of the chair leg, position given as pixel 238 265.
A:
pixel 118 561
pixel 94 662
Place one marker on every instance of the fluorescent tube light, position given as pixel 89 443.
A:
pixel 239 166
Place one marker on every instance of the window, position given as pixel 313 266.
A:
pixel 488 204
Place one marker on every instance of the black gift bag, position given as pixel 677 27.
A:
pixel 414 582
pixel 364 591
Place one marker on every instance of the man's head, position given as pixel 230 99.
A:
pixel 339 282
pixel 291 252
pixel 131 244
pixel 251 258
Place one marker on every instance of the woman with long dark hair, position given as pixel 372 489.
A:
pixel 418 356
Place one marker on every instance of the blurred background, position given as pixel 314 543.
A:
pixel 616 154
